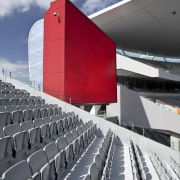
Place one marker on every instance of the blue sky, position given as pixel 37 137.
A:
pixel 16 20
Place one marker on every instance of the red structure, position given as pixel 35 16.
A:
pixel 79 59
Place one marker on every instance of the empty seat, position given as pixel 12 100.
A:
pixel 51 150
pixel 11 108
pixel 65 125
pixel 27 125
pixel 53 130
pixel 61 143
pixel 23 101
pixel 6 152
pixel 98 162
pixel 50 111
pixel 70 123
pixel 46 120
pixel 22 107
pixel 69 138
pixel 31 101
pixel 44 112
pixel 31 106
pixel 4 102
pixel 45 133
pixel 12 129
pixel 10 96
pixel 34 134
pixel 60 127
pixel 14 101
pixel 19 171
pixel 21 143
pixel 55 110
pixel 2 108
pixel 38 122
pixel 37 160
pixel 37 113
pixel 5 119
pixel 17 116
pixel 54 118
pixel 28 115
pixel 93 171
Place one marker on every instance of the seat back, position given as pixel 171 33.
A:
pixel 19 171
pixel 12 129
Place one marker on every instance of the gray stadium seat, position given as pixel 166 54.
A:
pixel 6 150
pixel 5 119
pixel 4 102
pixel 51 150
pixel 11 108
pixel 37 160
pixel 31 106
pixel 65 125
pixel 48 171
pixel 14 101
pixel 37 113
pixel 60 163
pixel 12 129
pixel 46 120
pixel 54 118
pixel 61 143
pixel 27 125
pixel 45 133
pixel 60 127
pixel 44 112
pixel 22 107
pixel 23 101
pixel 31 101
pixel 21 143
pixel 2 109
pixel 98 162
pixel 19 171
pixel 28 115
pixel 53 130
pixel 38 122
pixel 17 116
pixel 93 171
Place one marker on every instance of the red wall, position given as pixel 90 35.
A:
pixel 79 59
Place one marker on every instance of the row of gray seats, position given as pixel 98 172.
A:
pixel 21 101
pixel 161 169
pixel 23 139
pixel 8 96
pixel 175 166
pixel 134 163
pixel 19 116
pixel 5 84
pixel 96 169
pixel 11 108
pixel 54 159
pixel 108 163
pixel 142 165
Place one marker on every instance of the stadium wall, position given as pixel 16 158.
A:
pixel 79 59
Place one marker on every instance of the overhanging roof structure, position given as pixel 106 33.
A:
pixel 151 26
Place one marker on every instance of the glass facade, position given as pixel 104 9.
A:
pixel 35 54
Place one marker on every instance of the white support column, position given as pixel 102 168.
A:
pixel 95 109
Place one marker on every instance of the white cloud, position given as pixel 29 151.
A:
pixel 7 7
pixel 18 68
pixel 90 6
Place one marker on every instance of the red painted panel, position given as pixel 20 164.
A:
pixel 90 65
pixel 79 59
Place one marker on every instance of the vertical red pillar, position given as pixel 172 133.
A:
pixel 54 49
